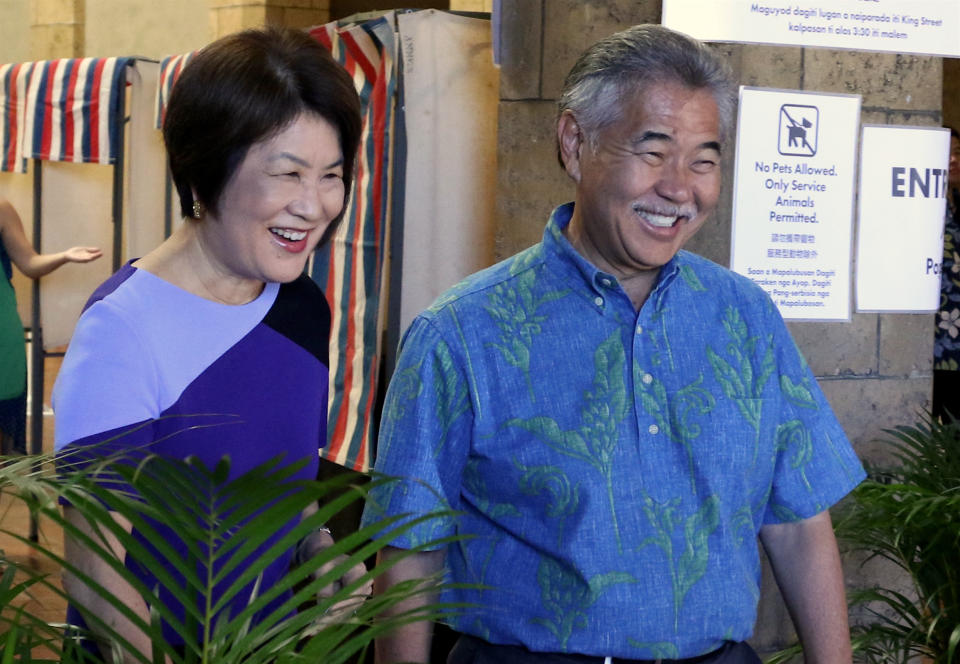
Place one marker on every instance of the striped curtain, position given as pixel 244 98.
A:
pixel 14 80
pixel 170 68
pixel 74 110
pixel 350 268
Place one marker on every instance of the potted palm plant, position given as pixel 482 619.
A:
pixel 223 522
pixel 907 515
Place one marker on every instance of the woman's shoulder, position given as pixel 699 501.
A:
pixel 304 290
pixel 301 314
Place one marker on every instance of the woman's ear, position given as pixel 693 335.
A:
pixel 570 139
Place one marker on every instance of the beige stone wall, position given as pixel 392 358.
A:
pixel 145 27
pixel 44 29
pixel 14 31
pixel 471 5
pixel 227 16
pixel 876 369
pixel 56 29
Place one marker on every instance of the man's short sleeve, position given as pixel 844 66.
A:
pixel 424 436
pixel 815 464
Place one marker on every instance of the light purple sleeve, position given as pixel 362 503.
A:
pixel 107 379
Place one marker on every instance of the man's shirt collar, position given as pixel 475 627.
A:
pixel 582 275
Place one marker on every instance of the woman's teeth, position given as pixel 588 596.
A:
pixel 293 236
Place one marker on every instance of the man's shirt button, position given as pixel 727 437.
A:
pixel 647 379
pixel 653 429
pixel 598 301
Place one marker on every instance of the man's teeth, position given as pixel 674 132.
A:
pixel 659 220
pixel 293 236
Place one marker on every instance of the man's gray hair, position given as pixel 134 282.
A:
pixel 613 70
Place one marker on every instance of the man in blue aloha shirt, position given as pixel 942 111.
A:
pixel 616 419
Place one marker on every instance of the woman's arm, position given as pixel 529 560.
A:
pixel 22 254
pixel 313 544
pixel 106 577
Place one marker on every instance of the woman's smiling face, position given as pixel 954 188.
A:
pixel 278 204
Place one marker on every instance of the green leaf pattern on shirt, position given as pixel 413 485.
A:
pixel 676 417
pixel 742 523
pixel 452 400
pixel 604 407
pixel 514 307
pixel 567 597
pixel 797 393
pixel 475 484
pixel 693 281
pixel 794 436
pixel 691 564
pixel 432 529
pixel 564 496
pixel 743 379
pixel 406 386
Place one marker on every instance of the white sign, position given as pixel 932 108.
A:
pixel 903 185
pixel 793 198
pixel 930 27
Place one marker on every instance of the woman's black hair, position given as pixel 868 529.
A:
pixel 245 88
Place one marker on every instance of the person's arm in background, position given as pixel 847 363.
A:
pixel 806 564
pixel 22 254
pixel 411 642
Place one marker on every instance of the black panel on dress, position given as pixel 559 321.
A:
pixel 301 314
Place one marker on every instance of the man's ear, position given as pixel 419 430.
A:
pixel 571 140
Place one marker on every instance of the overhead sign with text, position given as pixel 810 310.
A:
pixel 793 198
pixel 903 186
pixel 930 27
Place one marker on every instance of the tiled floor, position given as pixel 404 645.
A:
pixel 15 518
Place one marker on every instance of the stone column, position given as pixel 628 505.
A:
pixel 951 92
pixel 471 5
pixel 56 29
pixel 227 16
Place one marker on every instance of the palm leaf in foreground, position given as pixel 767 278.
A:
pixel 908 515
pixel 229 526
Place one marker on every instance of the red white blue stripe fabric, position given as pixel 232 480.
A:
pixel 170 68
pixel 14 80
pixel 350 268
pixel 74 110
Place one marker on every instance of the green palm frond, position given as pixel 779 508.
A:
pixel 229 527
pixel 907 515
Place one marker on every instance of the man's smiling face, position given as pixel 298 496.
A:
pixel 647 183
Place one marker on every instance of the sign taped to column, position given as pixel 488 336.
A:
pixel 928 27
pixel 793 198
pixel 903 186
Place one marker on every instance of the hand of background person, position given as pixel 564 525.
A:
pixel 25 257
pixel 345 608
pixel 82 254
